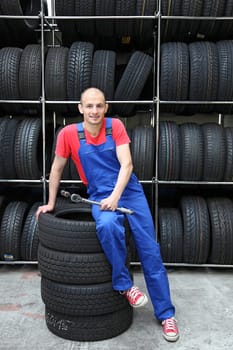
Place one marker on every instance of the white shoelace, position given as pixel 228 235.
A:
pixel 133 292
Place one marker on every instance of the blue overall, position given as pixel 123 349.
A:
pixel 101 168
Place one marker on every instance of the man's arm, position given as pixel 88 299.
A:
pixel 54 181
pixel 125 159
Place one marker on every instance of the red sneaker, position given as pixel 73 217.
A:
pixel 135 297
pixel 170 329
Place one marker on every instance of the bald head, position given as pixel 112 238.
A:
pixel 92 92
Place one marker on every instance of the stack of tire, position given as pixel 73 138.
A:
pixel 76 286
pixel 21 31
pixel 200 231
pixel 18 230
pixel 21 145
pixel 108 31
pixel 193 152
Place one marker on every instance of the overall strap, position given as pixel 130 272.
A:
pixel 108 130
pixel 81 134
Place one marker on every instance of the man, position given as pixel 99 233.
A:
pixel 99 147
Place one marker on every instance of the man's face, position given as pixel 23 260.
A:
pixel 93 107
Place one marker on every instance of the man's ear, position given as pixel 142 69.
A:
pixel 106 107
pixel 80 108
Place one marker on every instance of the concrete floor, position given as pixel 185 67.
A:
pixel 202 296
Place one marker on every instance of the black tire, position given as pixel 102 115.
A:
pixel 169 151
pixel 188 29
pixel 125 8
pixel 132 82
pixel 9 73
pixel 103 72
pixel 169 29
pixel 214 152
pixel 76 235
pixel 143 28
pixel 174 71
pixel 67 27
pixel 3 127
pixel 171 235
pixel 7 149
pixel 211 8
pixel 23 8
pixel 85 27
pixel 56 73
pixel 105 28
pixel 228 173
pixel 28 149
pixel 30 237
pixel 204 68
pixel 221 219
pixel 89 328
pixel 79 69
pixel 63 204
pixel 225 90
pixel 73 268
pixel 30 73
pixel 81 300
pixel 192 152
pixel 56 78
pixel 196 226
pixel 143 151
pixel 11 229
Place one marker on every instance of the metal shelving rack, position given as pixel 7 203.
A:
pixel 160 102
pixel 48 23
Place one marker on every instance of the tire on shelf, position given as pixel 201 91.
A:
pixel 221 220
pixel 9 82
pixel 143 151
pixel 174 71
pixel 192 152
pixel 105 28
pixel 124 28
pixel 196 228
pixel 214 152
pixel 23 8
pixel 188 29
pixel 67 27
pixel 225 90
pixel 7 142
pixel 103 72
pixel 28 149
pixel 171 235
pixel 30 73
pixel 56 77
pixel 30 237
pixel 228 173
pixel 169 151
pixel 11 227
pixel 79 68
pixel 132 82
pixel 143 28
pixel 204 70
pixel 85 27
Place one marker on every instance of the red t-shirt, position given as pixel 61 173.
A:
pixel 68 142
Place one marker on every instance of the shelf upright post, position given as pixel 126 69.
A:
pixel 156 102
pixel 43 101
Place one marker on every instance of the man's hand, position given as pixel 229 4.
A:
pixel 109 203
pixel 43 209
